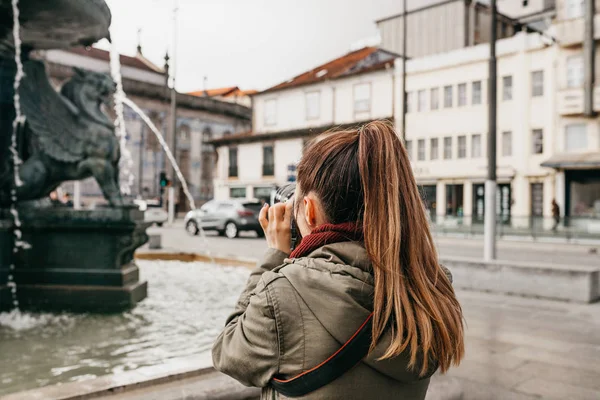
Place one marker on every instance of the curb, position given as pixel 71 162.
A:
pixel 194 257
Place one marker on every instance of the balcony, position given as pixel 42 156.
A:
pixel 570 32
pixel 571 102
pixel 268 169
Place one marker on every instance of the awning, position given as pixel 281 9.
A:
pixel 574 161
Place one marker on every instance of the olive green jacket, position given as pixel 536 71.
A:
pixel 295 313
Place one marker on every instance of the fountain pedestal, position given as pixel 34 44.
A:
pixel 80 260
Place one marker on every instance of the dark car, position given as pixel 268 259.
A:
pixel 228 217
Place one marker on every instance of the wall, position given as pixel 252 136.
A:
pixel 433 30
pixel 517 57
pixel 250 163
pixel 336 103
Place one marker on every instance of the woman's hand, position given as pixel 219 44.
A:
pixel 276 222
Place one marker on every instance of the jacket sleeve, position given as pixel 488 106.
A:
pixel 248 348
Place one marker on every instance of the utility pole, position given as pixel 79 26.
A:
pixel 404 98
pixel 171 194
pixel 489 238
pixel 589 56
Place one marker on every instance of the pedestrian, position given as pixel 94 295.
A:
pixel 365 274
pixel 66 200
pixel 555 214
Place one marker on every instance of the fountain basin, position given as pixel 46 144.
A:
pixel 181 319
pixel 80 260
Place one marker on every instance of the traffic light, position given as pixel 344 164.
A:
pixel 163 181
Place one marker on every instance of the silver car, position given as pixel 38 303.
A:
pixel 228 217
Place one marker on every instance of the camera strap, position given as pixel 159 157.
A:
pixel 346 357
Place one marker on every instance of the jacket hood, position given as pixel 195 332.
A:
pixel 336 283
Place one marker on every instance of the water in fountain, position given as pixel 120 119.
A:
pixel 164 145
pixel 18 121
pixel 126 162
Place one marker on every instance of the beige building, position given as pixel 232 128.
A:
pixel 447 124
pixel 352 89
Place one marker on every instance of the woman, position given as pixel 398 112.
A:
pixel 366 248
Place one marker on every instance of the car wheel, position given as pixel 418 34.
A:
pixel 260 233
pixel 231 230
pixel 192 228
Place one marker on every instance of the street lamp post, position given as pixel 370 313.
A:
pixel 171 190
pixel 489 238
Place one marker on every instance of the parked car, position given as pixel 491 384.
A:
pixel 227 217
pixel 153 212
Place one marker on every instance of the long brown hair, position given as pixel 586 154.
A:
pixel 364 175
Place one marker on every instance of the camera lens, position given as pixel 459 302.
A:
pixel 283 193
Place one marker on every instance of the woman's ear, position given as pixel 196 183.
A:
pixel 310 211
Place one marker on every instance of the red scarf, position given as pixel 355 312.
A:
pixel 328 234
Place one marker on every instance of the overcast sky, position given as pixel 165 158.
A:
pixel 253 44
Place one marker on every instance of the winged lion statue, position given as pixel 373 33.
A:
pixel 66 136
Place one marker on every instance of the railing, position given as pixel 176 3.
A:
pixel 533 227
pixel 233 171
pixel 268 170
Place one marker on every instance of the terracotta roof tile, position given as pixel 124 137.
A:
pixel 139 61
pixel 229 91
pixel 355 62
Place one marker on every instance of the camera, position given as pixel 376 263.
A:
pixel 282 195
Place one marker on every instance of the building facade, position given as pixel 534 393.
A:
pixel 447 125
pixel 442 26
pixel 199 119
pixel 576 161
pixel 352 89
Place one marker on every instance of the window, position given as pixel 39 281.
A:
pixel 421 150
pixel 476 146
pixel 506 144
pixel 537 83
pixel 313 105
pixel 476 92
pixel 233 162
pixel 538 141
pixel 410 106
pixel 462 146
pixel 447 96
pixel 237 192
pixel 409 148
pixel 537 199
pixel 573 8
pixel 462 94
pixel 271 112
pixel 435 98
pixel 507 88
pixel 447 148
pixel 433 151
pixel 575 71
pixel 422 100
pixel 268 161
pixel 362 97
pixel 575 137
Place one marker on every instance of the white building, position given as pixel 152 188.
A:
pixel 577 143
pixel 349 90
pixel 447 125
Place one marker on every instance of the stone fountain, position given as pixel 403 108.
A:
pixel 78 260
